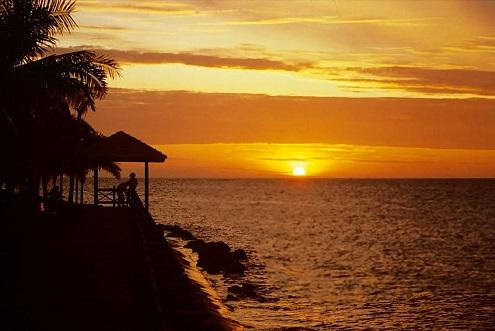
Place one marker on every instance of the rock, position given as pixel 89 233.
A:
pixel 216 257
pixel 161 228
pixel 177 232
pixel 240 254
pixel 231 297
pixel 234 267
pixel 246 290
pixel 248 287
pixel 262 299
pixel 195 245
pixel 235 289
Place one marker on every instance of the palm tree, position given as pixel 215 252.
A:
pixel 69 138
pixel 39 92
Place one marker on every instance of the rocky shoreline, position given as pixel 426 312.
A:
pixel 88 268
pixel 214 257
pixel 217 257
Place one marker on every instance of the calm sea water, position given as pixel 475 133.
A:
pixel 349 254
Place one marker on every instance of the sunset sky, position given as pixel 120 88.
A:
pixel 340 88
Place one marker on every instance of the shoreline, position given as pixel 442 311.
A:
pixel 212 308
pixel 85 268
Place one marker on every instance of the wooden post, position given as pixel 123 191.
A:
pixel 37 183
pixel 82 190
pixel 61 185
pixel 76 189
pixel 146 185
pixel 70 198
pixel 95 185
pixel 113 196
pixel 44 184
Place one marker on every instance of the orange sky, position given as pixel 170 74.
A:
pixel 342 88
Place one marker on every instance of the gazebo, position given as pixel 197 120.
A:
pixel 122 147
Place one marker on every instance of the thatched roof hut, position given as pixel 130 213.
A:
pixel 122 147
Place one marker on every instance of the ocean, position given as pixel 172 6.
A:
pixel 329 254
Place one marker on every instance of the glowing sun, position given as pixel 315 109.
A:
pixel 298 171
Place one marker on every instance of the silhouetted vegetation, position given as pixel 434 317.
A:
pixel 44 96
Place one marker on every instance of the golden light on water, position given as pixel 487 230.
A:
pixel 299 171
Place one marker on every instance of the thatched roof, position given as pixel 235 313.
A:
pixel 122 147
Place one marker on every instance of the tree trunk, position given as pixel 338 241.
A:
pixel 36 186
pixel 61 186
pixel 76 189
pixel 44 185
pixel 82 190
pixel 71 189
pixel 10 185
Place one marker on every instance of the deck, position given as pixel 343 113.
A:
pixel 97 268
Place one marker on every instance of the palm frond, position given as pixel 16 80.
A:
pixel 44 98
pixel 79 77
pixel 110 66
pixel 111 167
pixel 61 12
pixel 28 27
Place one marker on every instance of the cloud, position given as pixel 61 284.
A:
pixel 186 117
pixel 331 20
pixel 104 28
pixel 305 159
pixel 191 58
pixel 480 44
pixel 427 80
pixel 421 80
pixel 153 7
pixel 283 159
pixel 385 161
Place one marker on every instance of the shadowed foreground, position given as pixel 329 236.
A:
pixel 88 269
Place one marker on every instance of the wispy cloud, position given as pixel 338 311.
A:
pixel 153 7
pixel 481 44
pixel 428 80
pixel 104 28
pixel 186 117
pixel 305 159
pixel 329 20
pixel 398 161
pixel 194 59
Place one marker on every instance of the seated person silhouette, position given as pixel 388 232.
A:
pixel 131 188
pixel 121 190
pixel 53 198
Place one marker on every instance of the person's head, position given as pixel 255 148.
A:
pixel 132 175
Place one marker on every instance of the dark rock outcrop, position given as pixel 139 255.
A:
pixel 217 257
pixel 245 290
pixel 248 291
pixel 177 232
pixel 240 254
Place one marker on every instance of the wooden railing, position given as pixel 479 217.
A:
pixel 109 196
